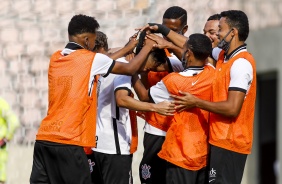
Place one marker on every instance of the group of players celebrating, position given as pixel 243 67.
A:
pixel 196 94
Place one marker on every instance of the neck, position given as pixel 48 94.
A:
pixel 199 63
pixel 234 45
pixel 77 40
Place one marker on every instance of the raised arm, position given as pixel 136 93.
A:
pixel 177 39
pixel 161 43
pixel 124 50
pixel 140 89
pixel 133 66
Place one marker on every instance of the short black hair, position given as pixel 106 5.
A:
pixel 159 56
pixel 82 24
pixel 214 17
pixel 176 12
pixel 239 20
pixel 200 45
pixel 101 41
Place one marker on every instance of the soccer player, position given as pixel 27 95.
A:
pixel 211 30
pixel 116 132
pixel 152 168
pixel 9 122
pixel 70 122
pixel 232 105
pixel 186 147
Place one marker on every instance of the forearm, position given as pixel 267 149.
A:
pixel 139 59
pixel 120 53
pixel 177 39
pixel 140 89
pixel 133 66
pixel 176 50
pixel 144 79
pixel 133 104
pixel 224 108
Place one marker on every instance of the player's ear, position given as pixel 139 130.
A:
pixel 234 31
pixel 185 29
pixel 86 42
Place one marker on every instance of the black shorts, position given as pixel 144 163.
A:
pixel 152 168
pixel 112 168
pixel 91 163
pixel 59 163
pixel 226 166
pixel 175 174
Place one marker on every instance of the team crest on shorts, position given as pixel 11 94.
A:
pixel 146 171
pixel 91 164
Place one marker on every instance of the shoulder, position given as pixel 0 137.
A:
pixel 170 78
pixel 241 63
pixel 216 52
pixel 101 57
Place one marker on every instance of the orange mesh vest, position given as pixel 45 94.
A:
pixel 186 142
pixel 153 78
pixel 71 113
pixel 235 134
pixel 134 129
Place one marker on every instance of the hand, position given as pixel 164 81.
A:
pixel 165 108
pixel 155 28
pixel 185 101
pixel 161 43
pixel 129 57
pixel 150 42
pixel 132 41
pixel 149 29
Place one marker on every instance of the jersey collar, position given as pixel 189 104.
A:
pixel 234 52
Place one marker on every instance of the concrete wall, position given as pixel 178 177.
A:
pixel 265 44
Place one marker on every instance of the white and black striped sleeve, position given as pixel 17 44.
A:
pixel 122 82
pixel 241 75
pixel 102 65
pixel 159 93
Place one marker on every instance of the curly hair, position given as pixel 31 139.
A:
pixel 101 41
pixel 82 24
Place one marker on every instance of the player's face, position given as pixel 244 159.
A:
pixel 173 24
pixel 223 30
pixel 211 31
pixel 90 42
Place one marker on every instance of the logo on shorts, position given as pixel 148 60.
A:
pixel 91 164
pixel 212 174
pixel 146 171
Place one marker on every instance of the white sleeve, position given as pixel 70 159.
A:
pixel 122 81
pixel 102 65
pixel 159 93
pixel 215 53
pixel 175 64
pixel 241 75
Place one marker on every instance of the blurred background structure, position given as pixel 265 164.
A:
pixel 31 30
